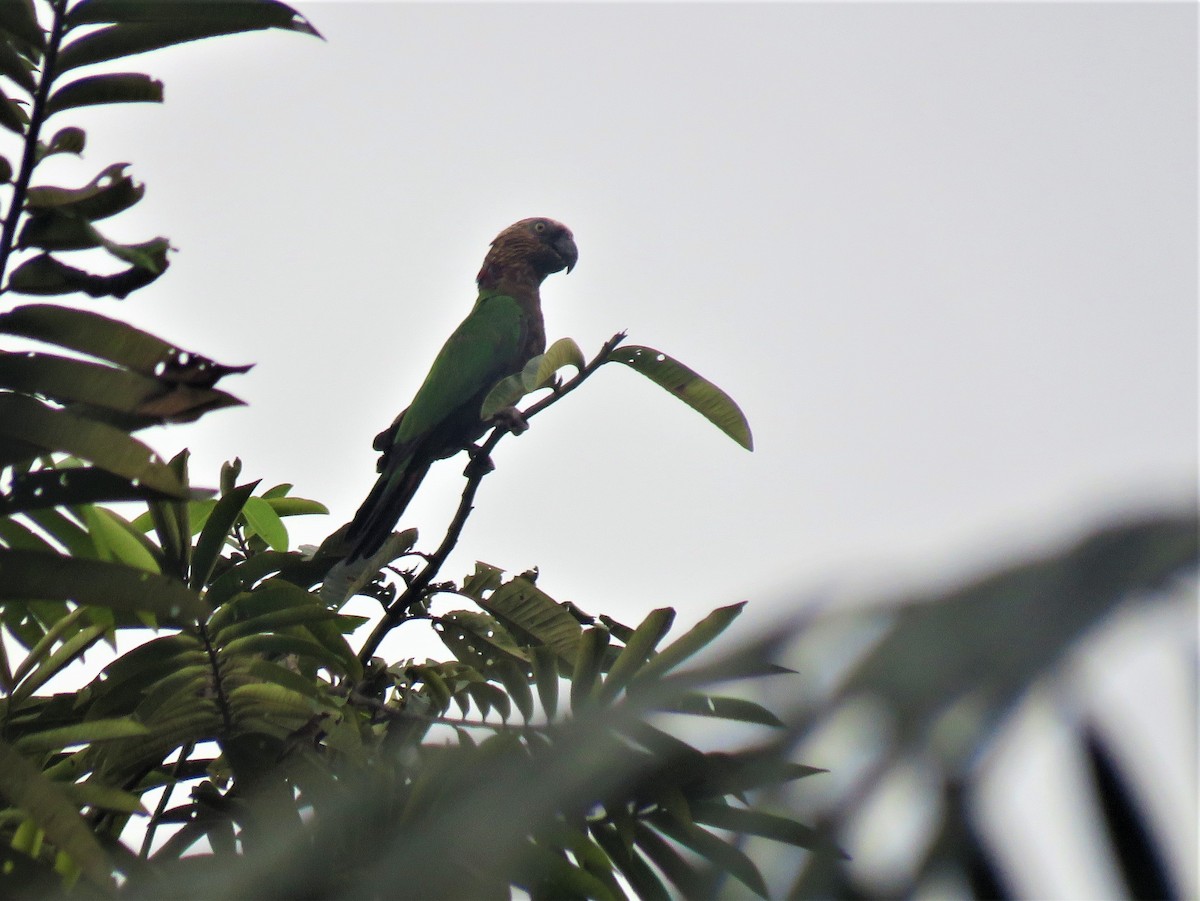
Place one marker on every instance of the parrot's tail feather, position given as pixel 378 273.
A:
pixel 382 509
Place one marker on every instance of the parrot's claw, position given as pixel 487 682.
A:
pixel 510 418
pixel 480 463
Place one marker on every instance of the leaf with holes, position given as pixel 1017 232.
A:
pixel 697 392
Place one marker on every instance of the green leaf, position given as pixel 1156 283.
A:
pixel 637 651
pixel 117 542
pixel 31 574
pixel 479 640
pixel 25 787
pixel 708 846
pixel 588 661
pixel 688 644
pixel 94 90
pixel 537 373
pixel 80 734
pixel 216 529
pixel 531 614
pixel 632 865
pixel 285 644
pixel 270 699
pixel 737 709
pixel 265 522
pixel 698 393
pixel 275 621
pixel 295 506
pixel 755 822
pixel 102 797
pixel 69 652
pixel 49 430
pixel 545 674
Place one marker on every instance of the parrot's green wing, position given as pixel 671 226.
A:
pixel 484 348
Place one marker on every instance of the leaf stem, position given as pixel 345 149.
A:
pixel 37 116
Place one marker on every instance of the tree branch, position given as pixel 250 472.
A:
pixel 416 590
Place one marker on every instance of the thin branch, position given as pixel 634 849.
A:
pixel 416 589
pixel 37 117
pixel 184 753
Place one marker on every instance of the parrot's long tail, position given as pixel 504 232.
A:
pixel 382 509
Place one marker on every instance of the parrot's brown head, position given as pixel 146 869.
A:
pixel 530 249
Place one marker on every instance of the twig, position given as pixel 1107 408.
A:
pixel 415 591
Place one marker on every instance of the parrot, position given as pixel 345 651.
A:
pixel 503 331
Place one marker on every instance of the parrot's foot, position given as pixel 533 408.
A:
pixel 510 418
pixel 480 463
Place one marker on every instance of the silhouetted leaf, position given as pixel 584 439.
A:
pixel 44 275
pixel 109 193
pixel 212 537
pixel 30 574
pixel 143 27
pixel 534 617
pixel 50 430
pixel 13 116
pixel 94 90
pixel 697 392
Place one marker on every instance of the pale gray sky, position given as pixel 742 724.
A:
pixel 944 256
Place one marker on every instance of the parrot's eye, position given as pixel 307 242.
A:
pixel 539 227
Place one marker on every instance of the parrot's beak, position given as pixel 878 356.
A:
pixel 564 246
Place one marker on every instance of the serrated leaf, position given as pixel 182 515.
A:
pixel 31 574
pixel 533 616
pixel 271 699
pixel 25 787
pixel 274 621
pixel 94 90
pixel 697 392
pixel 479 640
pixel 285 644
pixel 265 522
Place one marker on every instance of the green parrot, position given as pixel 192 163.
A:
pixel 503 331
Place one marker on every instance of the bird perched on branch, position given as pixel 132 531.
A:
pixel 503 331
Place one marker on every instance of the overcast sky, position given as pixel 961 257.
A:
pixel 944 256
